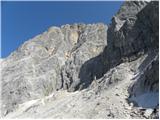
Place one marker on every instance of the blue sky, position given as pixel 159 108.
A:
pixel 24 20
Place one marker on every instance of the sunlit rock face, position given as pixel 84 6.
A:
pixel 36 69
pixel 85 58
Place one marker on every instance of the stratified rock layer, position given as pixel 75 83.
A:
pixel 94 59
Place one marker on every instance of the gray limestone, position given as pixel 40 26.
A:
pixel 72 70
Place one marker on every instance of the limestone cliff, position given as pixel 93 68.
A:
pixel 90 65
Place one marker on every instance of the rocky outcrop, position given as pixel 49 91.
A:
pixel 49 62
pixel 136 34
pixel 93 57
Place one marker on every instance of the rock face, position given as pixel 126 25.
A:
pixel 91 59
pixel 50 62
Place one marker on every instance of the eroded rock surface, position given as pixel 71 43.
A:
pixel 87 71
pixel 50 62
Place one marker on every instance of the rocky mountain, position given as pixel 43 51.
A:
pixel 87 71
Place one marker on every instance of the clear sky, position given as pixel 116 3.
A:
pixel 24 20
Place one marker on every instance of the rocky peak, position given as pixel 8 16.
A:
pixel 86 57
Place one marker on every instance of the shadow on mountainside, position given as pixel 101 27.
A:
pixel 96 67
pixel 143 39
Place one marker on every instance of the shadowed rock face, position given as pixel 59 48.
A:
pixel 73 57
